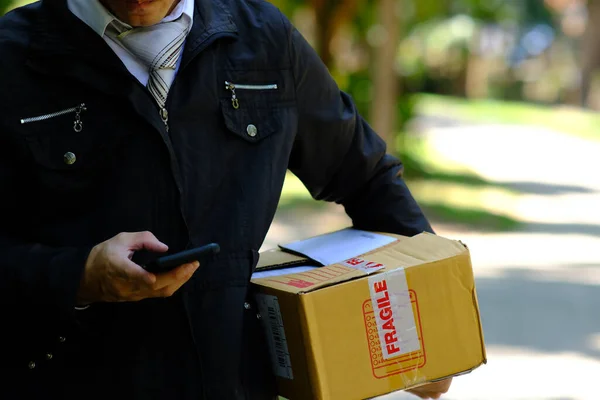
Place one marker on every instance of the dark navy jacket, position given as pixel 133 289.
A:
pixel 215 176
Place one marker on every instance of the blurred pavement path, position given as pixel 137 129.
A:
pixel 539 288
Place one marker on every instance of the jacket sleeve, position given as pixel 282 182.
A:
pixel 38 283
pixel 339 157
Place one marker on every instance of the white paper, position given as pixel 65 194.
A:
pixel 281 271
pixel 339 246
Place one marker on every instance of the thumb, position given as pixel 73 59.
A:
pixel 135 272
pixel 147 241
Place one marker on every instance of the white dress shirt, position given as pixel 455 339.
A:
pixel 97 17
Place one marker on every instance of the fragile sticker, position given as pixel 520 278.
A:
pixel 382 368
pixel 393 312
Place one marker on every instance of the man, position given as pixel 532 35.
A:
pixel 130 125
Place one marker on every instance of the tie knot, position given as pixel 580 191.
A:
pixel 158 46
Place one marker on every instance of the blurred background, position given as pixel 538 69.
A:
pixel 492 106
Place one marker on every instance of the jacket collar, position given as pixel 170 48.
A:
pixel 93 13
pixel 58 32
pixel 97 17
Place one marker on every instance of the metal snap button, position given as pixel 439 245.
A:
pixel 247 306
pixel 31 365
pixel 62 339
pixel 69 158
pixel 252 130
pixel 49 356
pixel 258 316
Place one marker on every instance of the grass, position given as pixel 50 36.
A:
pixel 437 208
pixel 471 218
pixel 296 195
pixel 438 211
pixel 575 121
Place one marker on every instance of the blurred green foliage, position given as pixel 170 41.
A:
pixel 4 5
pixel 444 44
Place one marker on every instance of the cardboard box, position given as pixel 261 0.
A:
pixel 325 325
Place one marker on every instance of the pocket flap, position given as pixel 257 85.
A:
pixel 251 121
pixel 66 152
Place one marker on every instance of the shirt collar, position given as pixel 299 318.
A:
pixel 97 17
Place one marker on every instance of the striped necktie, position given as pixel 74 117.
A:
pixel 159 47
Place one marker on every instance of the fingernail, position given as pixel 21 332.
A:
pixel 196 264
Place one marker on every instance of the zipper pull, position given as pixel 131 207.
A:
pixel 234 100
pixel 78 124
pixel 164 115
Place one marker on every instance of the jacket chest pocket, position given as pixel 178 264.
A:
pixel 70 153
pixel 251 111
pixel 66 152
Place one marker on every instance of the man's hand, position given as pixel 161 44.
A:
pixel 432 390
pixel 111 276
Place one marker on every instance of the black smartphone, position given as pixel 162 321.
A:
pixel 167 263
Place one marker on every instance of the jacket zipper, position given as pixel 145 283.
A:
pixel 77 124
pixel 163 112
pixel 233 86
pixel 164 115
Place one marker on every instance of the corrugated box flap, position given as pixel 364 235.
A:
pixel 312 280
pixel 420 249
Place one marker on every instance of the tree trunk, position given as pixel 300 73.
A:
pixel 330 15
pixel 326 28
pixel 385 77
pixel 590 57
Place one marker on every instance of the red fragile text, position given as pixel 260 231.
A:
pixel 364 264
pixel 384 308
